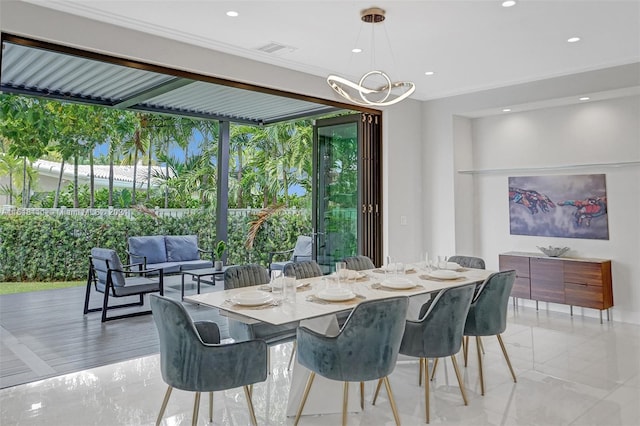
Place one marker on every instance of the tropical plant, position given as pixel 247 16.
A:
pixel 219 249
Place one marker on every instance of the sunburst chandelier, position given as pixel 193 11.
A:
pixel 375 87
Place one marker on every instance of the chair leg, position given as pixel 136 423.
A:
pixel 392 400
pixel 420 374
pixel 506 357
pixel 252 413
pixel 362 395
pixel 481 345
pixel 426 389
pixel 105 303
pixel 480 365
pixel 269 358
pixel 465 343
pixel 304 397
pixel 88 293
pixel 433 369
pixel 293 352
pixel 375 395
pixel 196 407
pixel 345 402
pixel 210 407
pixel 163 407
pixel 460 383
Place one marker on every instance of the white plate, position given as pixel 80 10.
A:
pixel 397 283
pixel 252 298
pixel 335 295
pixel 453 266
pixel 445 274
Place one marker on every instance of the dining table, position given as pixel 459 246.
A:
pixel 312 308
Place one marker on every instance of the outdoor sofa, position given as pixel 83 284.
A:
pixel 171 253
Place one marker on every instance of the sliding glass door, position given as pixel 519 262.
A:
pixel 343 185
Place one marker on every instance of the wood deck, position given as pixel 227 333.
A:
pixel 45 334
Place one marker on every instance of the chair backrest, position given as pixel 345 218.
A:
pixel 367 346
pixel 439 333
pixel 359 263
pixel 189 363
pixel 102 260
pixel 303 249
pixel 488 312
pixel 468 261
pixel 304 269
pixel 245 276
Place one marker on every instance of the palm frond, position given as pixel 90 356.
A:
pixel 259 219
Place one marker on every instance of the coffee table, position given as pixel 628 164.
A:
pixel 197 275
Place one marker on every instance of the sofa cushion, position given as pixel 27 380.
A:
pixel 182 247
pixel 188 265
pixel 153 247
pixel 167 267
pixel 100 258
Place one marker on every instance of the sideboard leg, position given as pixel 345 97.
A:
pixel 600 310
pixel 571 309
pixel 536 305
pixel 608 310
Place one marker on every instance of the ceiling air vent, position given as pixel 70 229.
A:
pixel 273 47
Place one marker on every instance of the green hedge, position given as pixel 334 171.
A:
pixel 54 248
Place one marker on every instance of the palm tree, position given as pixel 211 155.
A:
pixel 134 146
pixel 10 167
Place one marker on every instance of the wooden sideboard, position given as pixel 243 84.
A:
pixel 570 281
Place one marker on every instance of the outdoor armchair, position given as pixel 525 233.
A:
pixel 110 277
pixel 301 251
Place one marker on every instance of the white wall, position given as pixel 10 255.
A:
pixel 402 182
pixel 590 133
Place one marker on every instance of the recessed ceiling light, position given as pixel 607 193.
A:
pixel 585 98
pixel 506 110
pixel 232 13
pixel 429 73
pixel 356 50
pixel 573 39
pixel 508 3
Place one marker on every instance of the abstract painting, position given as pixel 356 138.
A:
pixel 570 206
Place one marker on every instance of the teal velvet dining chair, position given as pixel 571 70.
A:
pixel 192 358
pixel 468 261
pixel 438 333
pixel 359 263
pixel 247 276
pixel 488 316
pixel 366 348
pixel 303 269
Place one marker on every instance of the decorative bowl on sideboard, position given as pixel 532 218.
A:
pixel 553 251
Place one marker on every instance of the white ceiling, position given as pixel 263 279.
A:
pixel 470 45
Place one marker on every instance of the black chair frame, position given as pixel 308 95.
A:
pixel 110 288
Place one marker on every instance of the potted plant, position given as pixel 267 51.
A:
pixel 218 252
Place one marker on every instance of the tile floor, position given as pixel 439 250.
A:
pixel 570 370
